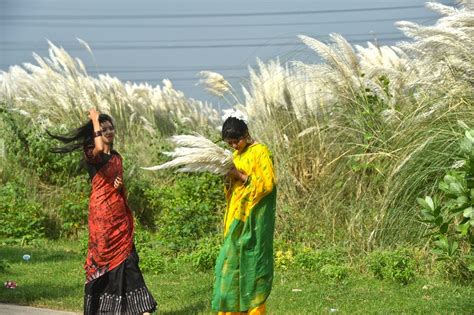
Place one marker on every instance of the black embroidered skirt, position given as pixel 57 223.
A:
pixel 120 291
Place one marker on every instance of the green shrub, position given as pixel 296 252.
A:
pixel 142 207
pixel 204 255
pixel 73 214
pixel 51 168
pixel 335 272
pixel 154 257
pixel 22 217
pixel 28 145
pixel 153 261
pixel 284 259
pixel 398 265
pixel 456 269
pixel 83 238
pixel 187 210
pixel 314 260
pixel 451 221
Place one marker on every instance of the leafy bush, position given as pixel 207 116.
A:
pixel 22 216
pixel 143 208
pixel 29 145
pixel 154 257
pixel 398 265
pixel 50 167
pixel 153 261
pixel 452 221
pixel 314 260
pixel 204 255
pixel 73 208
pixel 335 272
pixel 284 259
pixel 329 262
pixel 187 210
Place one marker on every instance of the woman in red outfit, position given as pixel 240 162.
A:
pixel 114 283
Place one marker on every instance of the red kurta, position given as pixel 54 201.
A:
pixel 110 218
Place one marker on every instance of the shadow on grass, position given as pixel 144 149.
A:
pixel 47 276
pixel 196 308
pixel 32 292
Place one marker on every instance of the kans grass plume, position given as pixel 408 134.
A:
pixel 195 153
pixel 59 90
pixel 214 83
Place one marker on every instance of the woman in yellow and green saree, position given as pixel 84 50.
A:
pixel 244 267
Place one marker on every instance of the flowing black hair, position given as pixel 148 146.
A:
pixel 78 138
pixel 234 128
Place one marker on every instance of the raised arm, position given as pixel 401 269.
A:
pixel 98 143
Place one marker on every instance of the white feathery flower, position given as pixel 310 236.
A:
pixel 235 113
pixel 214 82
pixel 195 153
pixel 85 44
pixel 307 131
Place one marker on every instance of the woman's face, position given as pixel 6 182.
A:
pixel 108 132
pixel 237 144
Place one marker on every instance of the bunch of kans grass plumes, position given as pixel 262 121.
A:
pixel 195 153
pixel 443 52
pixel 59 90
pixel 362 133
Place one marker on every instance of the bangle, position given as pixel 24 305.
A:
pixel 97 133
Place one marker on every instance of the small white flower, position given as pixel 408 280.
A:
pixel 26 257
pixel 227 113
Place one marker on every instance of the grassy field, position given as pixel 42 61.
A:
pixel 53 278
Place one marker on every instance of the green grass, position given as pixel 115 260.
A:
pixel 54 278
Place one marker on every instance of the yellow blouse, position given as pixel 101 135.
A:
pixel 256 162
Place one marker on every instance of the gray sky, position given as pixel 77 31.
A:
pixel 150 40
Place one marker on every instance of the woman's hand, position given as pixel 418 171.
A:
pixel 236 174
pixel 94 114
pixel 118 183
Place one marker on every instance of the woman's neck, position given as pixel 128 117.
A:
pixel 247 146
pixel 107 148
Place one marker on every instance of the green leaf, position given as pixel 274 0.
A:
pixel 456 210
pixel 468 213
pixel 462 200
pixel 444 186
pixel 449 179
pixel 453 248
pixel 463 228
pixel 424 203
pixel 444 228
pixel 442 243
pixel 427 216
pixel 430 202
pixel 456 188
pixel 470 135
pixel 466 145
